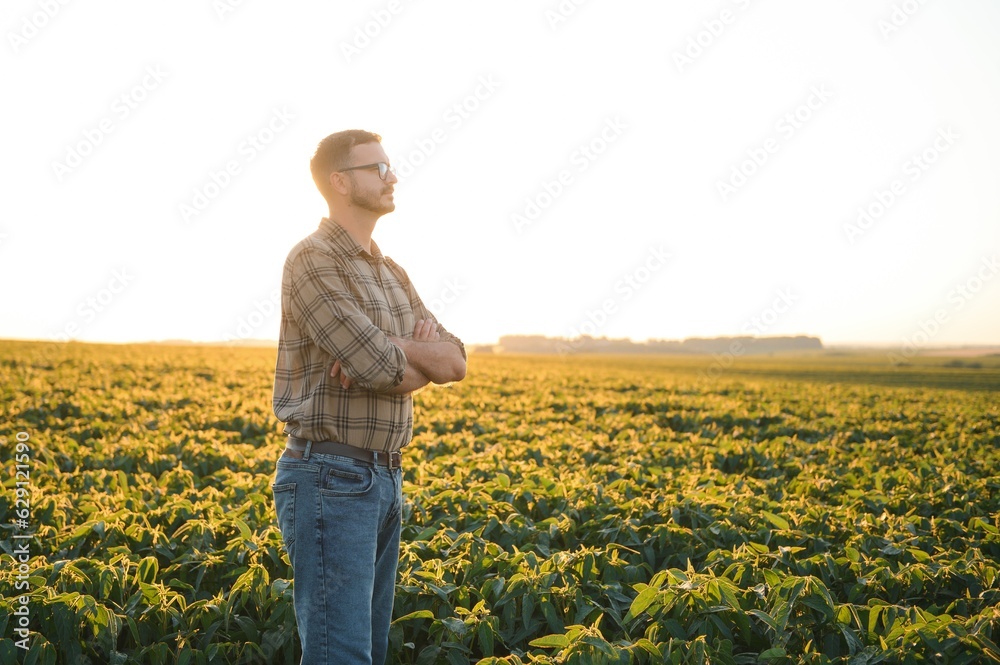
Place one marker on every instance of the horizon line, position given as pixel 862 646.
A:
pixel 261 342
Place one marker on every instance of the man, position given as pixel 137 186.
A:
pixel 355 342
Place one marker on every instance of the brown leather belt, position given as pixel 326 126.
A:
pixel 392 460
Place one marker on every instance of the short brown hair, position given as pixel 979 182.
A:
pixel 332 154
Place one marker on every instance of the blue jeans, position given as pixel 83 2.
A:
pixel 340 520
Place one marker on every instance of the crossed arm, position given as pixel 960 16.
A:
pixel 428 360
pixel 329 312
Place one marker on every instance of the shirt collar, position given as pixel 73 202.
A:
pixel 339 236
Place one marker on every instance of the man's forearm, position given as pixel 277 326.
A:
pixel 439 362
pixel 413 379
pixel 426 362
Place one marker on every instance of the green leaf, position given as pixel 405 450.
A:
pixel 765 617
pixel 527 609
pixel 429 655
pixel 419 614
pixel 776 520
pixel 457 658
pixel 8 652
pixel 772 654
pixel 550 614
pixel 645 598
pixel 147 569
pixel 425 534
pixel 649 647
pixel 245 532
pixel 484 634
pixel 455 625
pixel 550 642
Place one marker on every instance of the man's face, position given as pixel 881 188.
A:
pixel 368 191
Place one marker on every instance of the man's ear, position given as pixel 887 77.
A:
pixel 338 181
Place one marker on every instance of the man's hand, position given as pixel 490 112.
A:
pixel 337 373
pixel 440 362
pixel 426 331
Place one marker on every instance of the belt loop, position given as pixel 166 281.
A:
pixel 305 455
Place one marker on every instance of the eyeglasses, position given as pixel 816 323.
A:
pixel 383 169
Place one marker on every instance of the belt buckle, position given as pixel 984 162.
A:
pixel 388 459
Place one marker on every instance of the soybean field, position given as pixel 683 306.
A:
pixel 822 508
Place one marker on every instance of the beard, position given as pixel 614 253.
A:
pixel 371 199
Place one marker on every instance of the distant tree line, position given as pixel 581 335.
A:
pixel 693 345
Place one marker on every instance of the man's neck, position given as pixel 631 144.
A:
pixel 359 227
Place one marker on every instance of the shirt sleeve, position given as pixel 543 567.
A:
pixel 322 305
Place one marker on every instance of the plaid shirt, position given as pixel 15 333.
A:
pixel 338 302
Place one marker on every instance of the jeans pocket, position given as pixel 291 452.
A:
pixel 347 480
pixel 284 506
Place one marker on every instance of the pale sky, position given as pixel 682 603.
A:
pixel 642 169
